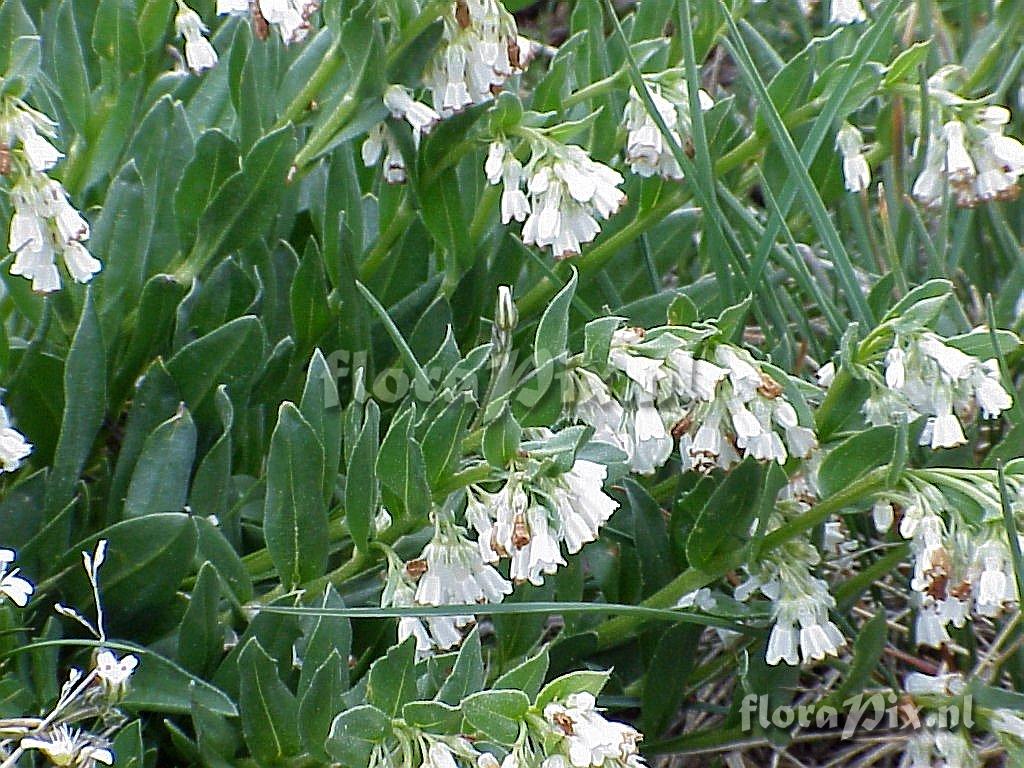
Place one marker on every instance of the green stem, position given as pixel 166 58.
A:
pixel 326 131
pixel 307 94
pixel 618 630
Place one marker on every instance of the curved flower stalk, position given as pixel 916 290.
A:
pixel 647 152
pixel 968 155
pixel 721 403
pixel 45 224
pixel 199 54
pixel 962 564
pixel 291 18
pixel 479 51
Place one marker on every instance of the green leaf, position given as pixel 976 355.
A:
pixel 867 653
pixel 267 708
pixel 402 471
pixel 723 527
pixel 598 340
pixel 560 688
pixel 553 329
pixel 501 439
pixel 322 698
pixel 160 480
pixel 85 400
pixel 854 457
pixel 129 747
pixel 115 34
pixel 160 685
pixel 200 636
pixel 321 407
pixel 326 636
pixel 445 219
pixel 650 535
pixel 245 205
pixel 497 714
pixel 904 67
pixel 361 479
pixel 354 734
pixel 294 512
pixel 215 159
pixel 224 356
pixel 392 678
pixel 674 658
pixel 308 296
pixel 467 676
pixel 147 557
pixel 442 443
pixel 433 716
pixel 528 676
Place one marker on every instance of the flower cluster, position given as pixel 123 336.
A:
pixel 84 696
pixel 721 409
pixel 479 50
pixel 199 54
pixel 402 106
pixel 45 225
pixel 961 568
pixel 290 17
pixel 647 151
pixel 968 154
pixel 926 376
pixel 568 193
pixel 528 521
pixel 800 600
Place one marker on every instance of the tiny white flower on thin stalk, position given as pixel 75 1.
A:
pixel 65 746
pixel 114 673
pixel 379 140
pixel 199 54
pixel 291 18
pixel 432 633
pixel 584 736
pixel 13 587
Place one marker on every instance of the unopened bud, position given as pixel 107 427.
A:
pixel 506 316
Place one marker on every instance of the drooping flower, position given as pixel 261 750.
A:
pixel 503 167
pixel 582 734
pixel 199 54
pixel 568 193
pixel 432 633
pixel 14 448
pixel 455 573
pixel 379 140
pixel 399 101
pixel 968 154
pixel 647 151
pixel 479 50
pixel 291 18
pixel 856 171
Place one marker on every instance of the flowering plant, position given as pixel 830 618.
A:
pixel 496 384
